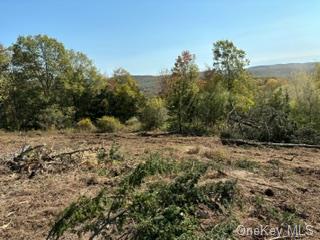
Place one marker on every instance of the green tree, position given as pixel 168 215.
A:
pixel 83 86
pixel 46 81
pixel 38 64
pixel 42 61
pixel 182 94
pixel 4 84
pixel 230 62
pixel 123 95
pixel 212 99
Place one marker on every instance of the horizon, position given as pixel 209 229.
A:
pixel 146 37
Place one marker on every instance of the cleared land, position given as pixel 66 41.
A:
pixel 285 179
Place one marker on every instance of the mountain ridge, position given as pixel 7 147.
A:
pixel 150 83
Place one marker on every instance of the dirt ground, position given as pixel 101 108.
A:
pixel 288 178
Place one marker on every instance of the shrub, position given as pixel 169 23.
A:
pixel 133 124
pixel 85 125
pixel 109 124
pixel 153 114
pixel 114 152
pixel 55 117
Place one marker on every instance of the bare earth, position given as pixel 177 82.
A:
pixel 28 207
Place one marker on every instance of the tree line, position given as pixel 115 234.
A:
pixel 43 85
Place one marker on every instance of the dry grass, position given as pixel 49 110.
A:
pixel 30 206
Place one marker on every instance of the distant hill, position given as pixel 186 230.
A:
pixel 281 70
pixel 151 83
pixel 148 83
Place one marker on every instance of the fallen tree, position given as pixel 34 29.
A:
pixel 227 141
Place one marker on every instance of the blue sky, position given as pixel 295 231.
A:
pixel 145 36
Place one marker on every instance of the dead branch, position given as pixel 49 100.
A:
pixel 42 160
pixel 27 149
pixel 76 151
pixel 226 141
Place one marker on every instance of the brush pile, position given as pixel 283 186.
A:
pixel 31 160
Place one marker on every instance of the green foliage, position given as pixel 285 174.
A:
pixel 85 125
pixel 153 114
pixel 45 80
pixel 229 61
pixel 77 213
pixel 268 121
pixel 224 230
pixel 246 165
pixel 182 94
pixel 83 85
pixel 102 155
pixel 155 164
pixel 44 85
pixel 108 124
pixel 305 102
pixel 114 152
pixel 38 66
pixel 223 193
pixel 161 210
pixel 123 95
pixel 212 99
pixel 133 124
pixel 284 215
pixel 54 117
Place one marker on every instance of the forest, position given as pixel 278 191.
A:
pixel 45 86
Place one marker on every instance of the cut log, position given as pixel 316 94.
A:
pixel 226 141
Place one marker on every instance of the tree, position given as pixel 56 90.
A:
pixel 123 95
pixel 212 99
pixel 4 83
pixel 230 62
pixel 83 86
pixel 47 81
pixel 164 84
pixel 41 61
pixel 4 70
pixel 38 66
pixel 183 91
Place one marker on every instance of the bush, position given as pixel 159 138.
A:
pixel 85 125
pixel 54 117
pixel 109 124
pixel 308 135
pixel 133 124
pixel 154 114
